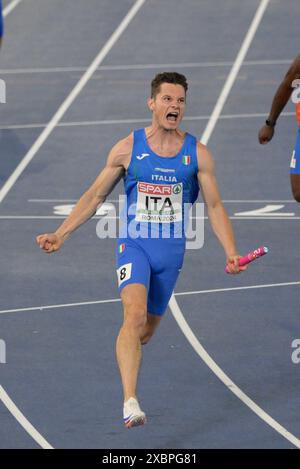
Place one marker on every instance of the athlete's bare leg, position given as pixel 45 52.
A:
pixel 295 185
pixel 128 347
pixel 138 327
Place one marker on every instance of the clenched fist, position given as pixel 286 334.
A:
pixel 265 134
pixel 49 242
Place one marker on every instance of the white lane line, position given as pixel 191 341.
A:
pixel 234 71
pixel 69 100
pixel 95 217
pixel 289 201
pixel 135 120
pixel 176 311
pixel 76 124
pixel 41 217
pixel 249 287
pixel 117 300
pixel 64 200
pixel 142 66
pixel 192 65
pixel 231 386
pixel 224 201
pixel 28 427
pixel 51 200
pixel 266 216
pixel 65 305
pixel 267 210
pixel 248 116
pixel 62 217
pixel 10 7
pixel 275 217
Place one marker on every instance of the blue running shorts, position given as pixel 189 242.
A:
pixel 156 263
pixel 295 161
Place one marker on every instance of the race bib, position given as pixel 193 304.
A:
pixel 159 203
pixel 293 161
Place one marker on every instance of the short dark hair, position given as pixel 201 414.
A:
pixel 167 77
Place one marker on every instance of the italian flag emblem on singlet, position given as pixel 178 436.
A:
pixel 186 160
pixel 122 248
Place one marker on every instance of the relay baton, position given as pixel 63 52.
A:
pixel 251 257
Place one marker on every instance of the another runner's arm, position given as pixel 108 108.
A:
pixel 89 202
pixel 284 90
pixel 280 99
pixel 217 214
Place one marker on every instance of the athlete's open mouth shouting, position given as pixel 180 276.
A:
pixel 172 116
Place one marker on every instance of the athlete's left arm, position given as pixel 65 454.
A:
pixel 217 214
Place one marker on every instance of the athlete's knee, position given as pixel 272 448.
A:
pixel 136 316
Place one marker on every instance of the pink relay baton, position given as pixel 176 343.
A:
pixel 251 257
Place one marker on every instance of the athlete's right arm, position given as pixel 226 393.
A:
pixel 280 99
pixel 89 202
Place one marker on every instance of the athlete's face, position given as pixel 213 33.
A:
pixel 168 106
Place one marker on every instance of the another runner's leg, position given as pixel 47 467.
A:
pixel 152 322
pixel 295 185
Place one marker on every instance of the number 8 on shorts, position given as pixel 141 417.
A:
pixel 124 273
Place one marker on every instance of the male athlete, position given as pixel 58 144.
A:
pixel 266 133
pixel 162 167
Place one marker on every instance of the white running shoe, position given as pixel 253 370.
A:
pixel 133 415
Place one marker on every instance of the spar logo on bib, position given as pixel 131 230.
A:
pixel 159 203
pixel 177 188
